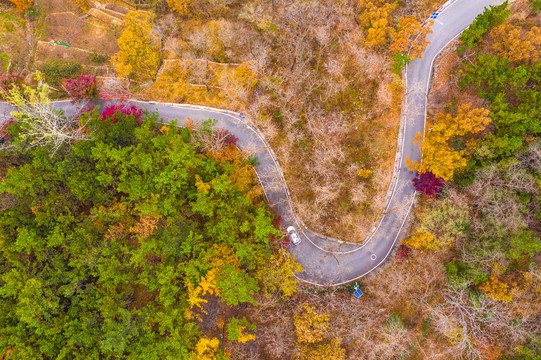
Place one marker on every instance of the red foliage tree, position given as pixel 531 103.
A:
pixel 226 137
pixel 110 113
pixel 402 253
pixel 8 81
pixel 82 88
pixel 428 184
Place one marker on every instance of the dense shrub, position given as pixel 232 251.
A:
pixel 98 58
pixel 82 88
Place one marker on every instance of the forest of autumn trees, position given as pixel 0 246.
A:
pixel 115 244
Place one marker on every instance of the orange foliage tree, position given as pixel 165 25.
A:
pixel 22 5
pixel 496 289
pixel 515 44
pixel 242 174
pixel 376 19
pixel 450 142
pixel 410 37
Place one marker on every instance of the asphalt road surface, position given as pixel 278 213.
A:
pixel 328 261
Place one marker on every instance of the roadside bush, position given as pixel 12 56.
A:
pixel 82 88
pixel 56 70
pixel 225 137
pixel 399 62
pixel 110 113
pixel 5 134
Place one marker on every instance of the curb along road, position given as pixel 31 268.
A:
pixel 327 262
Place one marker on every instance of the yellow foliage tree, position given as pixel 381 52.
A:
pixel 496 289
pixel 182 7
pixel 278 274
pixel 137 57
pixel 22 5
pixel 375 18
pixel 246 75
pixel 328 351
pixel 421 240
pixel 309 325
pixel 441 155
pixel 206 349
pixel 515 44
pixel 207 285
pixel 197 7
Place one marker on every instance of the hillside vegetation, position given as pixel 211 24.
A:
pixel 118 233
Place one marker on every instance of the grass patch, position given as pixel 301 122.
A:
pixel 57 70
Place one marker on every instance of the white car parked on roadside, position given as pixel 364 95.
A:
pixel 293 236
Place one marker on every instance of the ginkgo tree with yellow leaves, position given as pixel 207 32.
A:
pixel 138 57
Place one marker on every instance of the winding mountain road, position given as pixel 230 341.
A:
pixel 328 261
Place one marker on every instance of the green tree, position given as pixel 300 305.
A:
pixel 492 16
